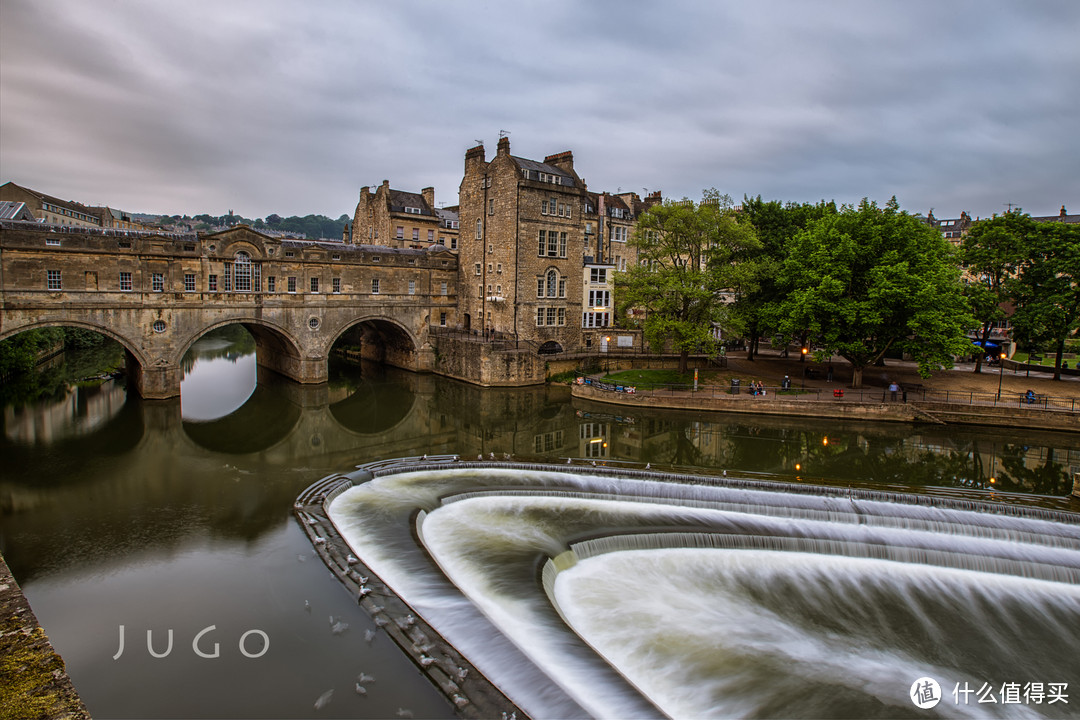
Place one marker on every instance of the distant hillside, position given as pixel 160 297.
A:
pixel 310 226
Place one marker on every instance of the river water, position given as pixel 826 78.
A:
pixel 172 517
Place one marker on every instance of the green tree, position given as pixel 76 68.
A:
pixel 755 312
pixel 869 279
pixel 1047 288
pixel 20 353
pixel 991 252
pixel 690 257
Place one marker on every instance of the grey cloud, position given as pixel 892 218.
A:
pixel 275 107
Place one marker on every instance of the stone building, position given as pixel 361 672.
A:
pixel 51 210
pixel 54 211
pixel 538 250
pixel 400 219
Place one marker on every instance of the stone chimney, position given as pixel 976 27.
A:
pixel 503 147
pixel 1062 214
pixel 564 161
pixel 428 194
pixel 474 156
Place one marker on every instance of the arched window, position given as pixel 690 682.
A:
pixel 243 272
pixel 242 275
pixel 552 283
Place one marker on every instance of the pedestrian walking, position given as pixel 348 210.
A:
pixel 894 388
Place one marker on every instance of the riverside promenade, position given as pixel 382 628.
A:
pixel 1014 396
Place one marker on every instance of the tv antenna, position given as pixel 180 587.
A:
pixel 503 133
pixel 1009 205
pixel 478 142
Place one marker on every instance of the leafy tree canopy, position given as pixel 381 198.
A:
pixel 755 312
pixel 868 279
pixel 990 253
pixel 690 255
pixel 1047 287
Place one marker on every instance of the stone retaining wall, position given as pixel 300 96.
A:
pixel 33 682
pixel 842 409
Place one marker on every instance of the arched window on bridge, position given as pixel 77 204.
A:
pixel 247 277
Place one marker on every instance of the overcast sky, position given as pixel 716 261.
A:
pixel 290 107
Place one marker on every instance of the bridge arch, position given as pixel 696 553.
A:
pixel 382 339
pixel 268 335
pixel 133 348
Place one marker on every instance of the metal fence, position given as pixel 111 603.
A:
pixel 838 394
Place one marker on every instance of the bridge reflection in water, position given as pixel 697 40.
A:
pixel 140 518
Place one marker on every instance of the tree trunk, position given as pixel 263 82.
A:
pixel 982 350
pixel 1059 358
pixel 856 377
pixel 684 364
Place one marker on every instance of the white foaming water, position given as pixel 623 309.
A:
pixel 719 634
pixel 803 634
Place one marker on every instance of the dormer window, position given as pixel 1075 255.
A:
pixel 413 210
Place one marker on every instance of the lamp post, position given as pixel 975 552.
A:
pixel 1001 374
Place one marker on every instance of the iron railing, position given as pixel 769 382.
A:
pixel 873 396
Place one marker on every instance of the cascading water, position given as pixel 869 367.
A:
pixel 631 597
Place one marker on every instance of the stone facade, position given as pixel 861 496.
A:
pixel 399 219
pixel 530 232
pixel 54 211
pixel 157 293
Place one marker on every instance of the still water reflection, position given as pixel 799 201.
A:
pixel 176 515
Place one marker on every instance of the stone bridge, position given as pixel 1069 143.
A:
pixel 156 294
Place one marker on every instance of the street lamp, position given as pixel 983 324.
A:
pixel 1001 373
pixel 802 358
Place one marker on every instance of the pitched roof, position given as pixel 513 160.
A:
pixel 533 166
pixel 399 200
pixel 12 210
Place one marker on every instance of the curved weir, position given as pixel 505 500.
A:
pixel 582 591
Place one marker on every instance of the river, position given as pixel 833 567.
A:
pixel 123 518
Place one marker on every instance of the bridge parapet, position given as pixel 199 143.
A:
pixel 157 294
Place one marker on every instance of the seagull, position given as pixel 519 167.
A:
pixel 339 627
pixel 725 473
pixel 307 606
pixel 361 690
pixel 377 609
pixel 462 673
pixel 460 700
pixel 352 559
pixel 301 557
pixel 480 456
pixel 648 465
pixel 369 635
pixel 320 540
pixel 324 699
pixel 426 660
pixel 425 457
pixel 381 622
pixel 506 456
pixel 567 461
pixel 298 505
pixel 364 677
pixel 404 713
pixel 364 591
pixel 361 579
pixel 491 456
